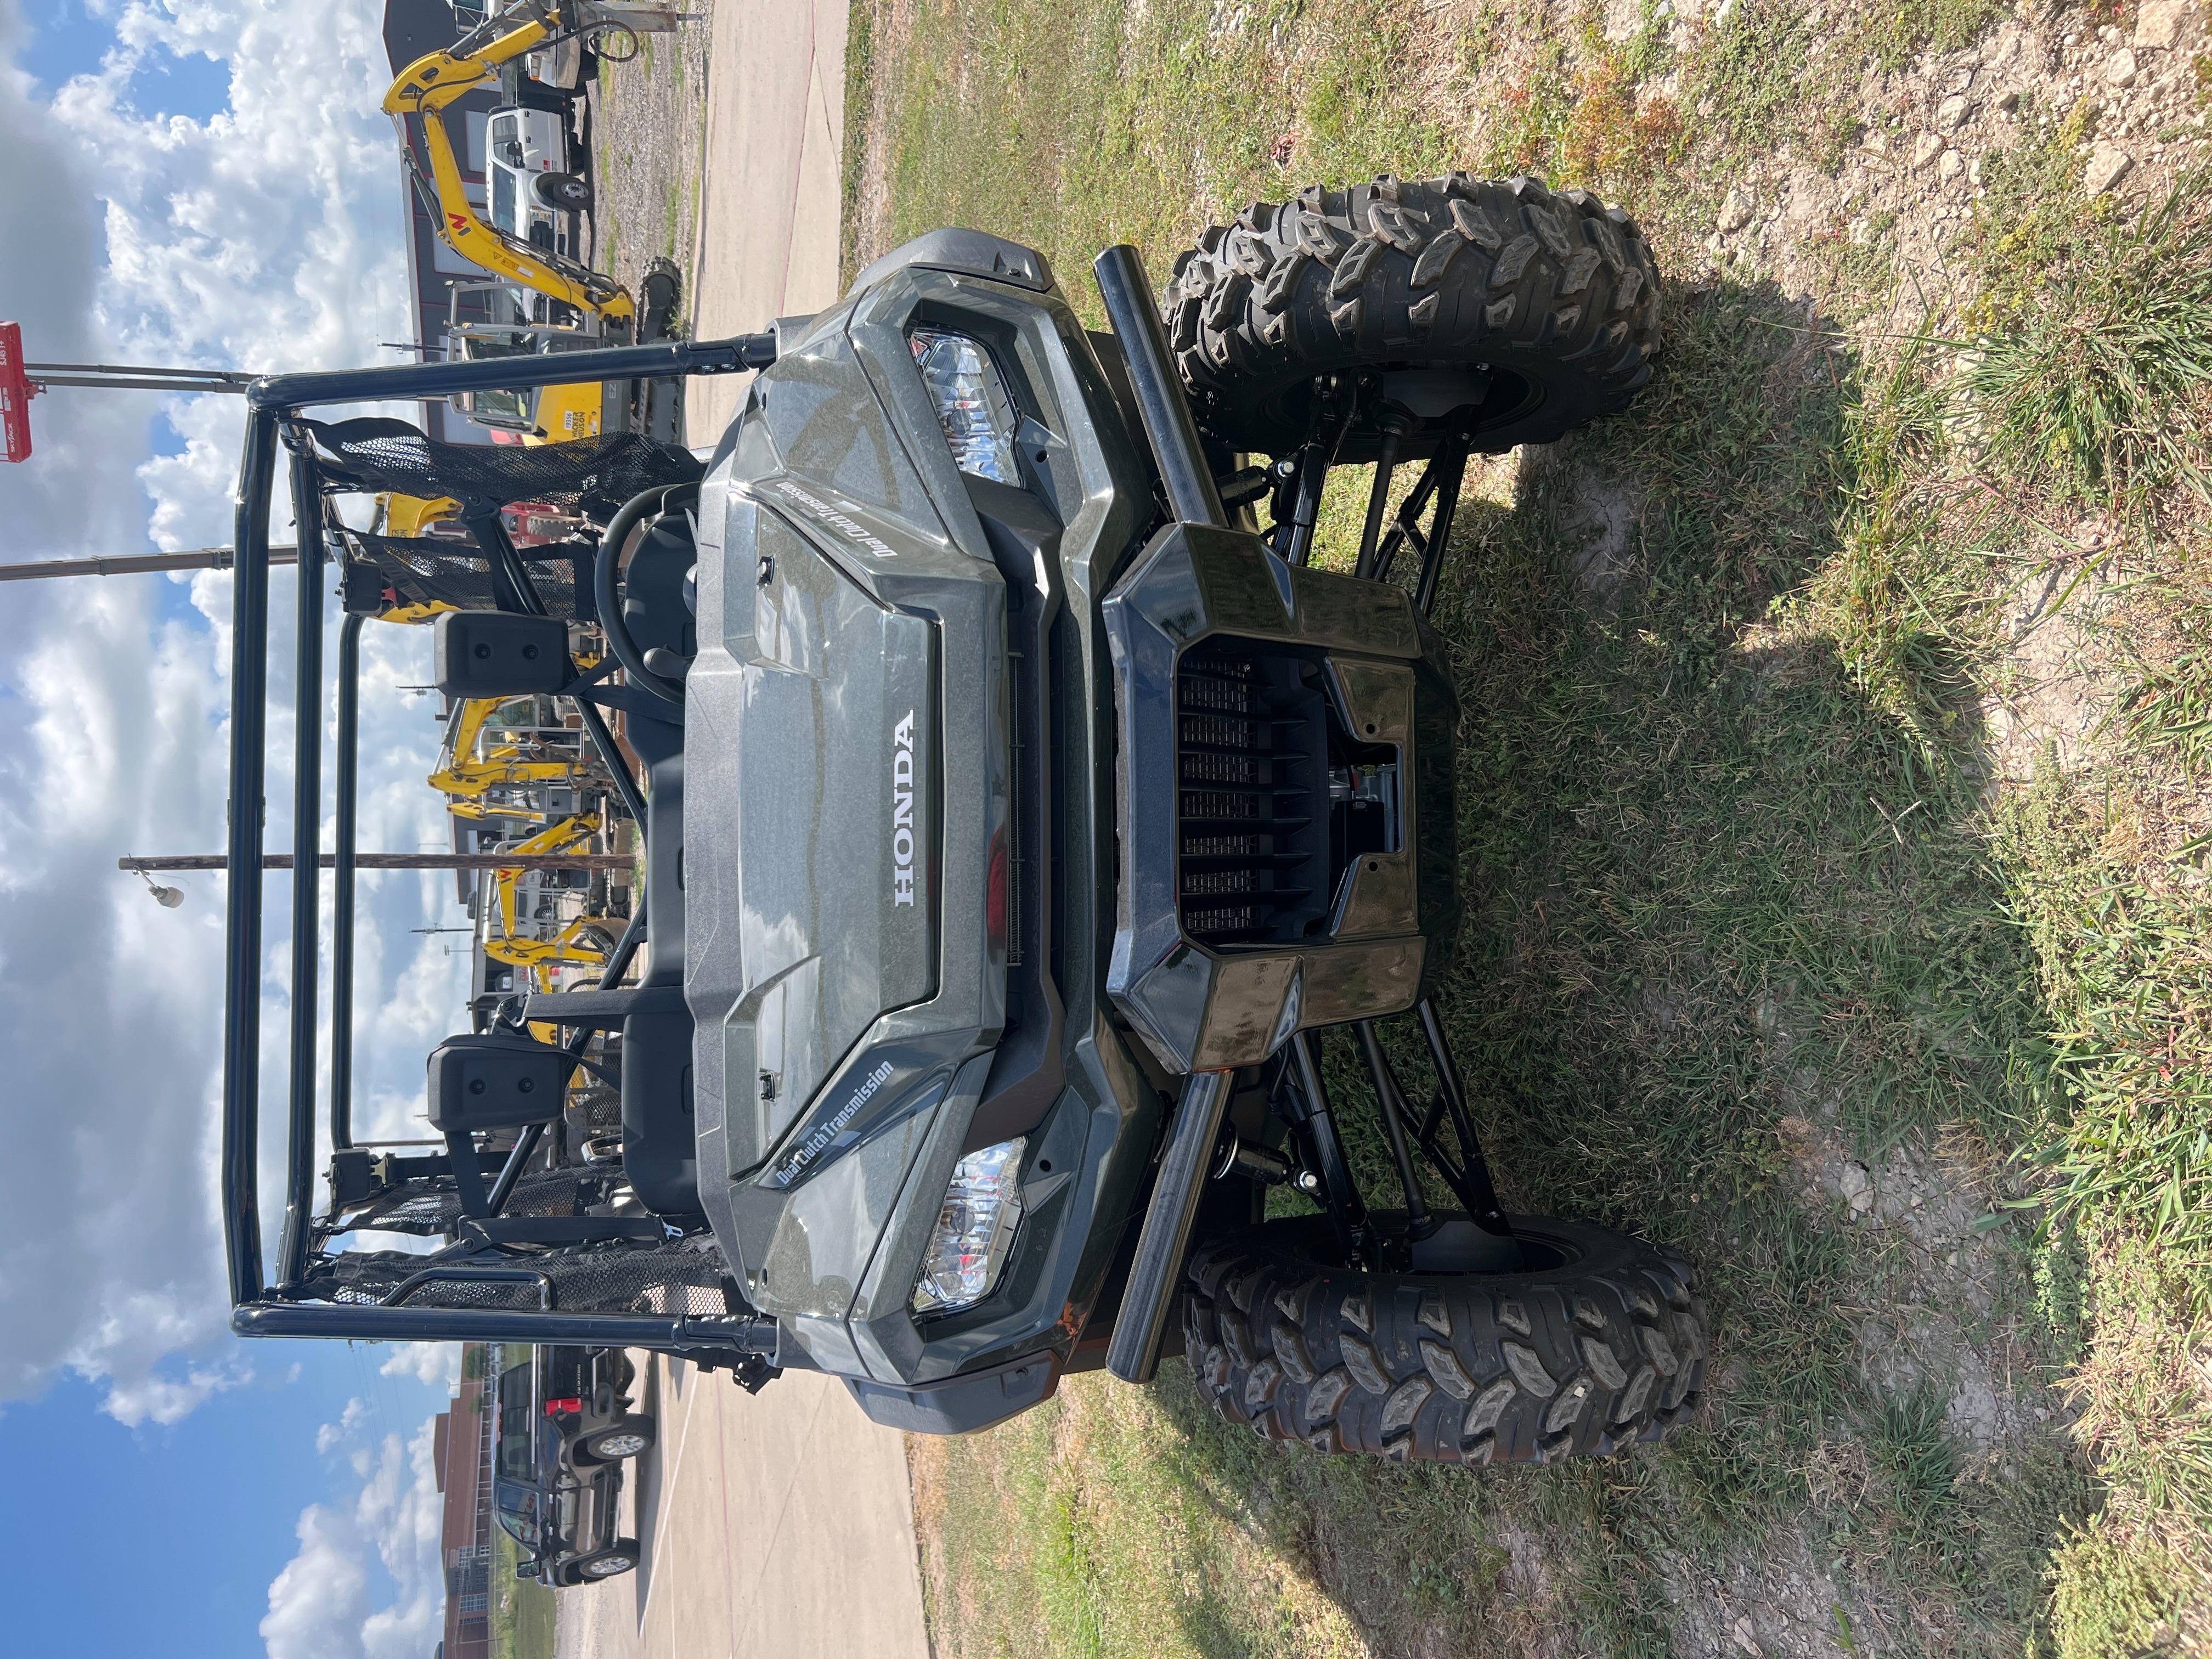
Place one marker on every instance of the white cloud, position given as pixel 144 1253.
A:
pixel 320 1606
pixel 330 1434
pixel 317 1603
pixel 434 1364
pixel 267 236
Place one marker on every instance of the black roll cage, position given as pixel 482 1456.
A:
pixel 260 1308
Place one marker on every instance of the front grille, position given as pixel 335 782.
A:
pixel 1252 800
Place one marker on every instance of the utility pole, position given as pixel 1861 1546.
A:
pixel 396 861
pixel 133 564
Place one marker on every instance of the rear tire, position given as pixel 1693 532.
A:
pixel 1600 1346
pixel 1506 309
pixel 564 192
pixel 630 1437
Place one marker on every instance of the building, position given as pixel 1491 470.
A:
pixel 461 1451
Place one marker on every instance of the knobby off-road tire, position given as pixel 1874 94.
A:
pixel 1604 1346
pixel 1416 281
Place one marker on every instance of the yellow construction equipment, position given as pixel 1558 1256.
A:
pixel 572 947
pixel 465 776
pixel 426 87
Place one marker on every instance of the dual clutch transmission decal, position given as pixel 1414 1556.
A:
pixel 881 1088
pixel 826 515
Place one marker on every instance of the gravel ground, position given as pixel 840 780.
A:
pixel 648 149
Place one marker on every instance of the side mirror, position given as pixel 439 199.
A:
pixel 489 1080
pixel 501 653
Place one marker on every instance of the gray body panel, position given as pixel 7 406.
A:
pixel 846 579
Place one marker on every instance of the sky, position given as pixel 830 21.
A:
pixel 209 182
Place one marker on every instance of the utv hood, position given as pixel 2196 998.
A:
pixel 844 783
pixel 832 826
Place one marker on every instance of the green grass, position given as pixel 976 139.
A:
pixel 1745 893
pixel 521 1609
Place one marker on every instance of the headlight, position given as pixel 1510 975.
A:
pixel 973 1229
pixel 972 404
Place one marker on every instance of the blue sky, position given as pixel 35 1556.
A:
pixel 201 182
pixel 200 1516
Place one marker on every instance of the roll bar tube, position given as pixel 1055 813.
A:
pixel 272 402
pixel 306 866
pixel 249 698
pixel 715 1338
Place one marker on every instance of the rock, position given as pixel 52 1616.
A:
pixel 1953 111
pixel 1951 165
pixel 2120 68
pixel 2159 23
pixel 1878 142
pixel 2008 102
pixel 1746 1639
pixel 1735 211
pixel 2108 165
pixel 1925 149
pixel 1857 1186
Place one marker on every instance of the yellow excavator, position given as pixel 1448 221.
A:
pixel 437 80
pixel 605 310
pixel 467 777
pixel 576 946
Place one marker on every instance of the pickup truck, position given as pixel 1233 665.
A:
pixel 564 1430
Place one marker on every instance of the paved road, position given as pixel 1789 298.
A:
pixel 775 1525
pixel 778 1525
pixel 770 211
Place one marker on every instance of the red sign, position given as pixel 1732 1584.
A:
pixel 15 393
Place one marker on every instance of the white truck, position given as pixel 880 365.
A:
pixel 534 192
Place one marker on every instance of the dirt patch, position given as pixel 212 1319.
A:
pixel 1783 1605
pixel 649 152
pixel 1910 177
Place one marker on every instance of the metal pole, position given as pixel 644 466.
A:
pixel 249 687
pixel 130 382
pixel 236 378
pixel 396 861
pixel 399 381
pixel 306 867
pixel 1132 1352
pixel 349 796
pixel 1161 404
pixel 133 564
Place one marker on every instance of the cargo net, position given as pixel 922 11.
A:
pixel 453 570
pixel 592 476
pixel 683 1276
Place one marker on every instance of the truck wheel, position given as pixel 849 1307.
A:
pixel 1594 1343
pixel 625 1437
pixel 563 192
pixel 1506 310
pixel 618 1557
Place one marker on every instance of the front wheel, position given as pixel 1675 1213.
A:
pixel 619 1558
pixel 1594 1341
pixel 1504 312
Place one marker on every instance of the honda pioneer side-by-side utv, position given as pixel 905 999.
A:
pixel 1021 818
